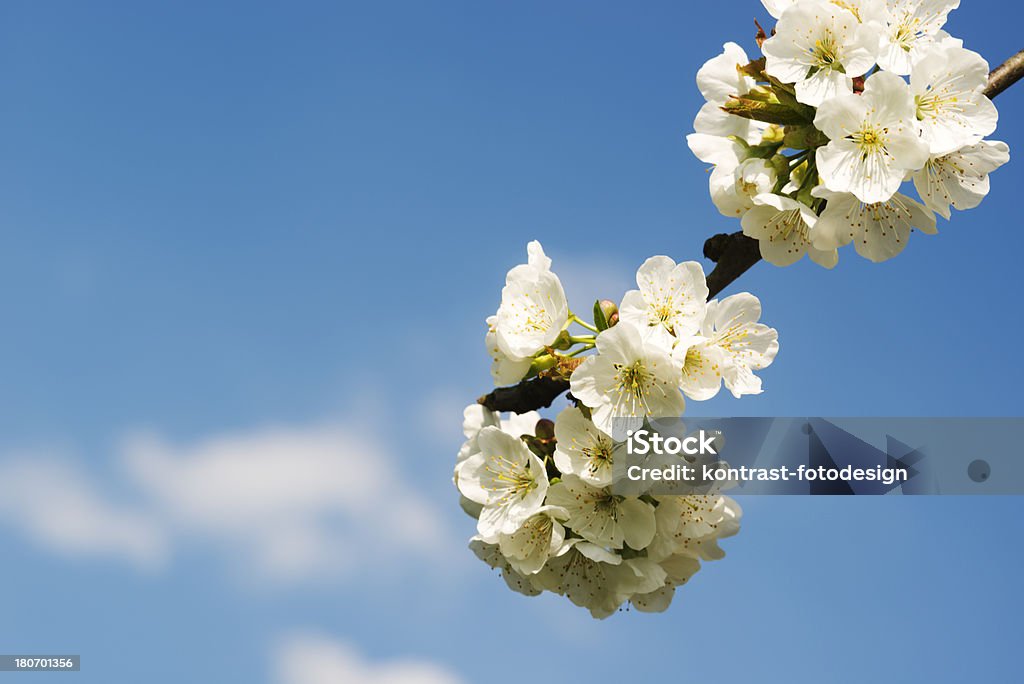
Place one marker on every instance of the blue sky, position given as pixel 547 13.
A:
pixel 235 233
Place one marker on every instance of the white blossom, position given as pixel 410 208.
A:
pixel 702 365
pixel 732 325
pixel 953 111
pixel 599 580
pixel 863 10
pixel 873 139
pixel 506 478
pixel 540 538
pixel 601 517
pixel 783 228
pixel 631 376
pixel 879 231
pixel 735 177
pixel 490 553
pixel 505 370
pixel 582 449
pixel 716 150
pixel 476 417
pixel 690 526
pixel 533 307
pixel 960 179
pixel 671 297
pixel 733 190
pixel 820 46
pixel 912 26
pixel 719 79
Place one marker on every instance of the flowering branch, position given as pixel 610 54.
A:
pixel 733 254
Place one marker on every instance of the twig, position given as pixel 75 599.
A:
pixel 1005 75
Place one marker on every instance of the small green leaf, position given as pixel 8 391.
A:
pixel 600 322
pixel 754 69
pixel 764 111
pixel 787 96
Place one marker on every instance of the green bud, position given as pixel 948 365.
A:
pixel 774 134
pixel 780 164
pixel 804 137
pixel 562 341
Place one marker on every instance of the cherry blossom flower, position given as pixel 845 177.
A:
pixel 879 231
pixel 533 307
pixel 671 297
pixel 783 228
pixel 960 179
pixel 873 139
pixel 953 112
pixel 582 449
pixel 631 376
pixel 911 27
pixel 601 517
pixel 506 478
pixel 820 47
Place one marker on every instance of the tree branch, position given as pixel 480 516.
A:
pixel 1005 75
pixel 733 254
pixel 528 395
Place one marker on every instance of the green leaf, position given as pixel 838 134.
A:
pixel 600 322
pixel 764 111
pixel 787 96
pixel 754 69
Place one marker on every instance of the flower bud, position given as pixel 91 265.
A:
pixel 804 137
pixel 562 342
pixel 780 164
pixel 604 309
pixel 773 134
pixel 608 307
pixel 545 429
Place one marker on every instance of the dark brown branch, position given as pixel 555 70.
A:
pixel 1005 75
pixel 528 395
pixel 733 254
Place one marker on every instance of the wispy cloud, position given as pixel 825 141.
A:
pixel 313 659
pixel 296 502
pixel 285 504
pixel 57 506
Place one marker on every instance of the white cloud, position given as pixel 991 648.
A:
pixel 314 659
pixel 56 506
pixel 285 504
pixel 297 502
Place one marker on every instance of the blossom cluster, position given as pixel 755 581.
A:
pixel 812 142
pixel 541 490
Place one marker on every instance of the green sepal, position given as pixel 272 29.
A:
pixel 768 112
pixel 600 322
